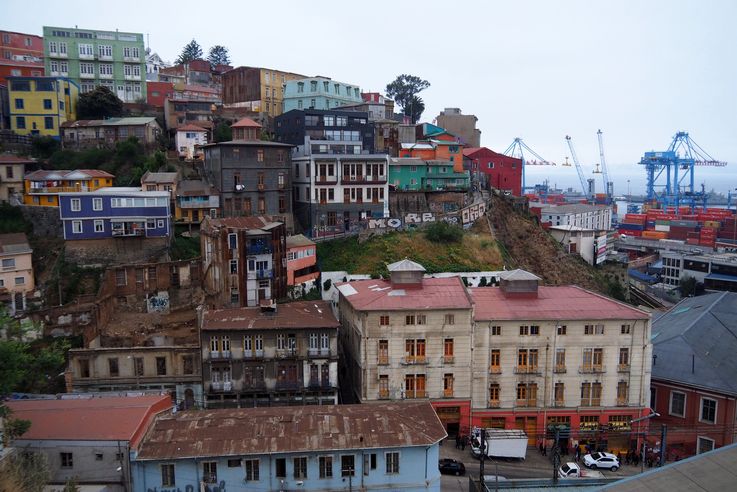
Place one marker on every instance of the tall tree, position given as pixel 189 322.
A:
pixel 218 55
pixel 99 104
pixel 192 51
pixel 404 90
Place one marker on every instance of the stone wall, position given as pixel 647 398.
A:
pixel 45 220
pixel 113 251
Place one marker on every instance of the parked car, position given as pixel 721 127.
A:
pixel 572 470
pixel 601 460
pixel 450 466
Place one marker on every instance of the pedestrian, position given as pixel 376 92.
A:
pixel 636 459
pixel 458 441
pixel 628 457
pixel 619 456
pixel 578 454
pixel 463 443
pixel 543 448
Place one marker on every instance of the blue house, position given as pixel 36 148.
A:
pixel 388 446
pixel 115 212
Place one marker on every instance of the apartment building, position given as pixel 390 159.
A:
pixel 318 131
pixel 495 170
pixel 286 354
pixel 244 260
pixel 260 90
pixel 412 174
pixel 12 170
pixel 42 187
pixel 195 200
pixel 91 58
pixel 39 106
pixel 596 217
pixel 319 93
pixel 21 55
pixel 409 338
pixel 16 272
pixel 559 356
pixel 461 125
pixel 716 271
pixel 301 261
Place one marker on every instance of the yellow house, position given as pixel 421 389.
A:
pixel 39 105
pixel 195 201
pixel 42 188
pixel 16 271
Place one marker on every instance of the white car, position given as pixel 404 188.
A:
pixel 601 460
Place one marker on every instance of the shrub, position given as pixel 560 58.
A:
pixel 326 285
pixel 443 232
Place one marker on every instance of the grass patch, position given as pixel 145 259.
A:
pixel 185 248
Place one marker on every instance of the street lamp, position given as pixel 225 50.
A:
pixel 646 417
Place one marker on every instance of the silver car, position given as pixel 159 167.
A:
pixel 601 460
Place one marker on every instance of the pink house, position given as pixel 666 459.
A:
pixel 301 260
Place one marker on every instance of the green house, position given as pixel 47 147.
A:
pixel 412 174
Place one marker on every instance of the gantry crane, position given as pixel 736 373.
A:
pixel 683 154
pixel 517 150
pixel 587 190
pixel 608 185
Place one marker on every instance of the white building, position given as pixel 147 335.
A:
pixel 188 140
pixel 597 217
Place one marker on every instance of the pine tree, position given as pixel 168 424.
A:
pixel 218 56
pixel 192 51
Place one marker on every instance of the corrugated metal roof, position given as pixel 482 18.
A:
pixel 298 240
pixel 518 274
pixel 43 175
pixel 14 159
pixel 301 314
pixel 194 187
pixel 250 222
pixel 694 343
pixel 552 303
pixel 258 431
pixel 379 295
pixel 150 177
pixel 191 128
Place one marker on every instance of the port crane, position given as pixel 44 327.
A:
pixel 517 150
pixel 608 185
pixel 685 155
pixel 587 190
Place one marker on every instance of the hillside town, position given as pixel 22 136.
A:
pixel 220 277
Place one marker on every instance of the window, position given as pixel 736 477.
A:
pixel 252 471
pixel 527 394
pixel 524 330
pixel 559 393
pixel 496 330
pixel 626 329
pixel 384 320
pixel 84 368
pixel 592 360
pixel 281 468
pixel 99 226
pixel 448 350
pixel 188 364
pixel 383 352
pixel 448 385
pixel 534 330
pixel 496 361
pixel 20 122
pixel 561 329
pixel 47 104
pixel 409 319
pixel 67 460
pixel 704 444
pixel 97 204
pixel 300 467
pixel 105 50
pixel 19 104
pixel 624 358
pixel 708 410
pixel 210 472
pixel 167 475
pixel 233 266
pixel 326 466
pixel 8 263
pixel 421 319
pixel 20 280
pixel 593 329
pixel 450 319
pixel 347 465
pixel 138 365
pixel 161 366
pixel 233 241
pixel 590 394
pixel 112 364
pixel 85 50
pixel 414 350
pixel 392 462
pixel 76 227
pixel 527 360
pixel 76 204
pixel 260 155
pixel 494 391
pixel 622 392
pixel 560 360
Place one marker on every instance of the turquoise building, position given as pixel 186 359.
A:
pixel 412 174
pixel 116 60
pixel 319 93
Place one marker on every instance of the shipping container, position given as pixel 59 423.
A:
pixel 654 235
pixel 662 227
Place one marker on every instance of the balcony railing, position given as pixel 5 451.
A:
pixel 260 274
pixel 289 385
pixel 415 394
pixel 623 368
pixel 622 402
pixel 527 370
pixel 57 189
pixel 591 402
pixel 253 354
pixel 383 360
pixel 321 352
pixel 559 369
pixel 494 404
pixel 284 353
pixel 559 403
pixel 259 249
pixel 591 369
pixel 326 179
pixel 414 359
pixel 448 359
pixel 383 394
pixel 447 393
pixel 220 355
pixel 526 403
pixel 495 369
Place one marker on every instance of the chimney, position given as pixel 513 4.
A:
pixel 519 284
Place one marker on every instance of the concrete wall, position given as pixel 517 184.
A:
pixel 45 220
pixel 117 250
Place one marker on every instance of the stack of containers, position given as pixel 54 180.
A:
pixel 632 224
pixel 683 230
pixel 728 231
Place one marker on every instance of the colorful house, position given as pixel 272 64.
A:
pixel 412 174
pixel 196 200
pixel 319 93
pixel 16 271
pixel 502 172
pixel 12 170
pixel 301 260
pixel 22 55
pixel 40 105
pixel 246 129
pixel 43 187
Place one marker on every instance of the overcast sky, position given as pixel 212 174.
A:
pixel 639 70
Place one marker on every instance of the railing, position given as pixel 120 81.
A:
pixel 448 393
pixel 261 274
pixel 591 402
pixel 57 189
pixel 495 369
pixel 494 404
pixel 559 369
pixel 415 394
pixel 448 359
pixel 383 360
pixel 591 369
pixel 527 370
pixel 134 232
pixel 327 179
pixel 228 386
pixel 218 355
pixel 288 385
pixel 623 368
pixel 313 352
pixel 253 354
pixel 559 403
pixel 216 385
pixel 284 353
pixel 414 359
pixel 259 249
pixel 622 402
pixel 526 403
pixel 383 394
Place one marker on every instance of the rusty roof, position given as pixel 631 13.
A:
pixel 245 123
pixel 195 187
pixel 566 302
pixel 271 430
pixel 72 174
pixel 14 159
pixel 298 240
pixel 380 295
pixel 300 314
pixel 250 222
pixel 191 128
pixel 90 419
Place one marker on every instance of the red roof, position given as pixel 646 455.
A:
pixel 245 123
pixel 379 295
pixel 90 419
pixel 250 222
pixel 191 128
pixel 14 159
pixel 301 314
pixel 45 174
pixel 552 303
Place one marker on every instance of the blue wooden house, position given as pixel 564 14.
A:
pixel 115 212
pixel 387 446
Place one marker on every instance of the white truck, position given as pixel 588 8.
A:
pixel 572 470
pixel 500 443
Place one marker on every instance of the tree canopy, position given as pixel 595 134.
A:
pixel 404 90
pixel 192 51
pixel 99 104
pixel 218 55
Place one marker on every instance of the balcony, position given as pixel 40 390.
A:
pixel 318 353
pixel 591 402
pixel 447 393
pixel 527 370
pixel 105 57
pixel 132 77
pixel 107 76
pixel 221 385
pixel 495 370
pixel 526 403
pixel 289 385
pixel 56 54
pixel 375 179
pixel 414 359
pixel 494 404
pixel 383 360
pixel 285 353
pixel 217 355
pixel 326 179
pixel 591 369
pixel 448 359
pixel 253 354
pixel 411 394
pixel 559 369
pixel 132 59
pixel 383 394
pixel 260 274
pixel 86 75
pixel 86 56
pixel 57 189
pixel 559 403
pixel 259 249
pixel 623 368
pixel 622 402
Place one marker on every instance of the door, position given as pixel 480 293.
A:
pixel 529 425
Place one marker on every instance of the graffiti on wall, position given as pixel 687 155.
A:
pixel 158 303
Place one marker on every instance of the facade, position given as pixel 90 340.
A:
pixel 326 132
pixel 42 188
pixel 181 112
pixel 171 369
pixel 547 356
pixel 244 260
pixel 90 58
pixel 715 271
pixel 12 170
pixel 301 261
pixel 84 134
pixel 188 140
pixel 253 178
pixel 282 355
pixel 88 440
pixel 39 106
pixel 160 182
pixel 4 108
pixel 439 146
pixel 693 386
pixel 158 92
pixel 16 272
pixel 258 89
pixel 576 240
pixel 313 448
pixel 461 125
pixel 495 170
pixel 409 338
pixel 195 200
pixel 22 55
pixel 334 194
pixel 412 174
pixel 154 64
pixel 597 217
pixel 319 93
pixel 115 212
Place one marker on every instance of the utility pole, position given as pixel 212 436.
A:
pixel 556 455
pixel 482 446
pixel 663 432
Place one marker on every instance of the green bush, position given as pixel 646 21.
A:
pixel 443 232
pixel 326 285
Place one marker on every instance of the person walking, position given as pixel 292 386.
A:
pixel 458 441
pixel 463 443
pixel 543 448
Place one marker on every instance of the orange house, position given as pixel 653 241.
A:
pixel 439 146
pixel 42 187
